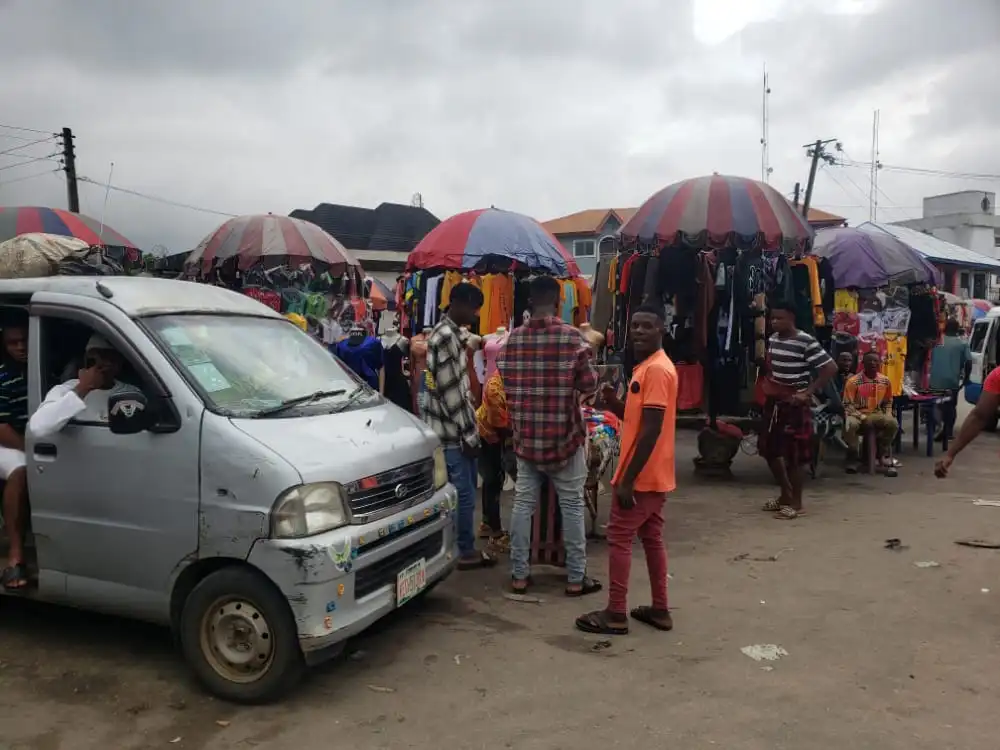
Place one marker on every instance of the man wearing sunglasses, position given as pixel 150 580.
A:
pixel 85 397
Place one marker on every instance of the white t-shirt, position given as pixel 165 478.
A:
pixel 61 404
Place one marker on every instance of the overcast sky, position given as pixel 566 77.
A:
pixel 249 106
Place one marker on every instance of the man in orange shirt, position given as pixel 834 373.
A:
pixel 644 477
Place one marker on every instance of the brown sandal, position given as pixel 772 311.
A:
pixel 598 623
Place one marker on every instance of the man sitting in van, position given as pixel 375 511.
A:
pixel 85 397
pixel 13 420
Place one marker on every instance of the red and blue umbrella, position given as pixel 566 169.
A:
pixel 18 220
pixel 474 238
pixel 718 211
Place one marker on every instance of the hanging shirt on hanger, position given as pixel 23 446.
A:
pixel 845 300
pixel 895 361
pixel 365 358
pixel 430 301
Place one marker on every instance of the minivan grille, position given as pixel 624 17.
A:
pixel 376 496
pixel 371 578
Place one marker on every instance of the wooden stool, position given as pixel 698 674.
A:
pixel 546 530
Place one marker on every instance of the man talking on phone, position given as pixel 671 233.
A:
pixel 85 397
pixel 644 477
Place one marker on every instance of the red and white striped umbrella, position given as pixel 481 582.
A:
pixel 273 239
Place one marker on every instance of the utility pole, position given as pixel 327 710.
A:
pixel 69 167
pixel 817 151
pixel 795 200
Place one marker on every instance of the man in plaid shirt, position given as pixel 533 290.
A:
pixel 546 368
pixel 448 409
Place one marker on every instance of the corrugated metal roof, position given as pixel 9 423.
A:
pixel 936 249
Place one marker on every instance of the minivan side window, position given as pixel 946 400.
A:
pixel 64 344
pixel 977 341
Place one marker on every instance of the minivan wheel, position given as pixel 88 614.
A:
pixel 239 636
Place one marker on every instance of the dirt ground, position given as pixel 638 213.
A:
pixel 881 653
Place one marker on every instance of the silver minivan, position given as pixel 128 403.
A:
pixel 246 489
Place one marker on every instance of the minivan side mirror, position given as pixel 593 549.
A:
pixel 128 412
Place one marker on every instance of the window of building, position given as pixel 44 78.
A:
pixel 584 248
pixel 963 283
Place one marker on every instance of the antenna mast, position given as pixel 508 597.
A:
pixel 873 177
pixel 765 128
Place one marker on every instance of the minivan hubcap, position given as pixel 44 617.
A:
pixel 236 640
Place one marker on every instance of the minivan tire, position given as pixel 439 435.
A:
pixel 243 585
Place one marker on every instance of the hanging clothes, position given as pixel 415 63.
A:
pixel 365 358
pixel 448 281
pixel 396 384
pixel 584 300
pixel 811 287
pixel 845 300
pixel 431 301
pixel 493 344
pixel 265 296
pixel 604 301
pixel 485 312
pixel 704 301
pixel 894 366
pixel 567 296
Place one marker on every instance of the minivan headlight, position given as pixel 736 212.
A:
pixel 440 468
pixel 307 510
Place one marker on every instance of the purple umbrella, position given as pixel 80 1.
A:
pixel 868 259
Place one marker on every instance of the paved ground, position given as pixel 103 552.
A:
pixel 881 653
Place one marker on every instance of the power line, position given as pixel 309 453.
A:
pixel 4 183
pixel 29 161
pixel 154 198
pixel 924 171
pixel 27 130
pixel 26 145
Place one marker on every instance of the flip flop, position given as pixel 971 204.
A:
pixel 653 618
pixel 587 586
pixel 483 560
pixel 597 623
pixel 15 577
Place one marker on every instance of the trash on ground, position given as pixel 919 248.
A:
pixel 767 669
pixel 980 543
pixel 175 740
pixel 764 652
pixel 927 564
pixel 989 503
pixel 381 689
pixel 458 659
pixel 523 598
pixel 600 645
pixel 895 545
pixel 222 723
pixel 985 591
pixel 767 558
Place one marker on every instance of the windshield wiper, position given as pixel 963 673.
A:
pixel 299 401
pixel 361 390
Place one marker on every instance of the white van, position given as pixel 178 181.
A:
pixel 984 345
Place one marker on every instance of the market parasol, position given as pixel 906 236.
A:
pixel 472 238
pixel 718 211
pixel 18 220
pixel 865 258
pixel 274 239
pixel 979 307
pixel 381 296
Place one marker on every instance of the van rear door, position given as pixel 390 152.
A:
pixel 982 343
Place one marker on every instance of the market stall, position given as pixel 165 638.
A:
pixel 714 251
pixel 886 301
pixel 500 252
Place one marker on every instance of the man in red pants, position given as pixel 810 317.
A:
pixel 644 477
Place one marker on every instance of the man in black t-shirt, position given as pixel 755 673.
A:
pixel 13 420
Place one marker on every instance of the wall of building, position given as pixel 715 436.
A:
pixel 588 264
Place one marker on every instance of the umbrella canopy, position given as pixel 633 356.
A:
pixel 979 307
pixel 381 296
pixel 274 239
pixel 718 211
pixel 18 220
pixel 869 259
pixel 468 239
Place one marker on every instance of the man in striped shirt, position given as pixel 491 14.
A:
pixel 798 367
pixel 13 421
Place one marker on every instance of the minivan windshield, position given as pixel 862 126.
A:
pixel 255 367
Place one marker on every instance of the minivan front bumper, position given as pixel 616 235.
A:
pixel 340 582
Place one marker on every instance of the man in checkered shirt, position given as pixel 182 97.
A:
pixel 448 409
pixel 547 368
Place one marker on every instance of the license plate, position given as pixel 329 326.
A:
pixel 411 581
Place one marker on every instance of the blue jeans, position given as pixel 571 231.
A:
pixel 462 474
pixel 568 483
